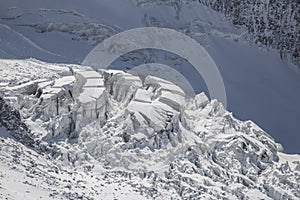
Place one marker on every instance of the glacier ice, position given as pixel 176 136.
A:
pixel 113 123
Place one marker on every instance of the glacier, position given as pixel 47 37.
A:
pixel 259 85
pixel 68 131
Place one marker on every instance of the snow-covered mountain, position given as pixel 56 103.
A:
pixel 259 85
pixel 70 132
pixel 275 24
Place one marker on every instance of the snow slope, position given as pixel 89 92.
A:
pixel 65 31
pixel 26 174
pixel 80 133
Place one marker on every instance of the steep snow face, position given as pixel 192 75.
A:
pixel 272 23
pixel 111 130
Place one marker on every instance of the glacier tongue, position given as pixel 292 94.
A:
pixel 146 133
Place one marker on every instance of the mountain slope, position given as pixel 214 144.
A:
pixel 66 31
pixel 107 134
pixel 271 23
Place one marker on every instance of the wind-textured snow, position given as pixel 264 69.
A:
pixel 79 133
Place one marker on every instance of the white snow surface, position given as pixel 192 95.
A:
pixel 108 134
pixel 259 85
